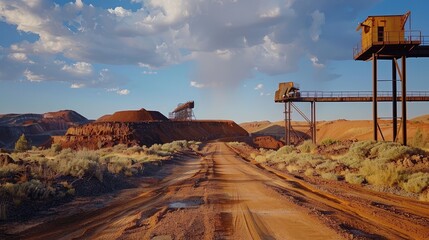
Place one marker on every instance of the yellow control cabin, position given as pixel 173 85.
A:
pixel 384 31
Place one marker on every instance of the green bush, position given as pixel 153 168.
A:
pixel 22 144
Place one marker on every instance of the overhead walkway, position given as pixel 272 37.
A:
pixel 353 96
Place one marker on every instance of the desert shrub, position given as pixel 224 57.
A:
pixel 9 169
pixel 328 142
pixel 416 182
pixel 327 165
pixel 292 168
pixel 354 178
pixel 119 148
pixel 285 150
pixel 358 152
pixel 418 139
pixel 390 151
pixel 329 176
pixel 56 148
pixel 309 172
pixel 81 163
pixel 33 189
pixel 382 152
pixel 22 144
pixel 307 146
pixel 381 174
pixel 117 164
pixel 133 150
pixel 260 159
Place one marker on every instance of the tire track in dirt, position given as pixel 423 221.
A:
pixel 259 212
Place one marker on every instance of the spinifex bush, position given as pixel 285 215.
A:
pixel 416 182
pixel 307 146
pixel 381 174
pixel 33 189
pixel 378 151
pixel 354 178
pixel 328 142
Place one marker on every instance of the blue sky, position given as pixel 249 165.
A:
pixel 98 57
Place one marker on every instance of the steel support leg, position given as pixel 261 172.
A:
pixel 394 101
pixel 404 100
pixel 289 127
pixel 313 122
pixel 374 95
pixel 286 125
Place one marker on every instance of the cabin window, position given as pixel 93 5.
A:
pixel 380 34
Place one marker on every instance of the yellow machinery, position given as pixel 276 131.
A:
pixel 286 90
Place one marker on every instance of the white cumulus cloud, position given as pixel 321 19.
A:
pixel 32 77
pixel 196 84
pixel 119 11
pixel 20 57
pixel 123 91
pixel 79 68
pixel 77 85
pixel 259 86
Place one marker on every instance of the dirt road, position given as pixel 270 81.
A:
pixel 222 196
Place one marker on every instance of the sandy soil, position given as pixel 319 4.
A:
pixel 223 196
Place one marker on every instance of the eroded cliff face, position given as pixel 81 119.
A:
pixel 104 134
pixel 38 128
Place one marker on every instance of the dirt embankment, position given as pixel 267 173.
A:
pixel 106 134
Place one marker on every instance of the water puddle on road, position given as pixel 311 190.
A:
pixel 192 202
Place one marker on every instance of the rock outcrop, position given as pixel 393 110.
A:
pixel 104 134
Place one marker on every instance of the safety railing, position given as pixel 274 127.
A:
pixel 392 37
pixel 354 94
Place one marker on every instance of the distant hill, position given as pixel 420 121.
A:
pixel 423 118
pixel 339 129
pixel 38 128
pixel 141 115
